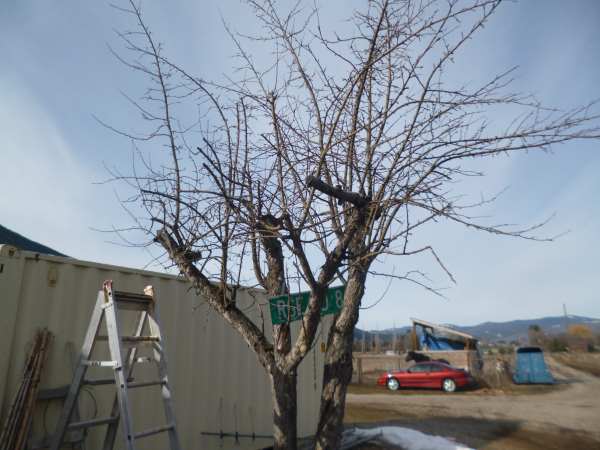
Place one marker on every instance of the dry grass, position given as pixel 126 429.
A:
pixel 586 362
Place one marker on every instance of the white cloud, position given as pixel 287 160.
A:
pixel 47 192
pixel 43 185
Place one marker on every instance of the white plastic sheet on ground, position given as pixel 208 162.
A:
pixel 407 439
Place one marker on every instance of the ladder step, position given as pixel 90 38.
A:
pixel 92 363
pixel 132 301
pixel 140 338
pixel 102 381
pixel 131 338
pixel 92 423
pixel 138 384
pixel 153 431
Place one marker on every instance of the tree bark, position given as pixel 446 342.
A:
pixel 338 364
pixel 283 388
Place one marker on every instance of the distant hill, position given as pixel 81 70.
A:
pixel 513 330
pixel 13 238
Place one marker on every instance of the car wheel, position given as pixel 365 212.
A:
pixel 393 384
pixel 448 385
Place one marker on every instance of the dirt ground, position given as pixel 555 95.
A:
pixel 565 416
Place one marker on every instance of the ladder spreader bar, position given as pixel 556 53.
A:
pixel 153 431
pixel 101 381
pixel 91 423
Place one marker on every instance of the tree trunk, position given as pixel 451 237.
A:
pixel 338 364
pixel 283 388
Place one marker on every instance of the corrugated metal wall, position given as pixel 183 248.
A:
pixel 217 381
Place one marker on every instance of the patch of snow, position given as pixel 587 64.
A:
pixel 408 439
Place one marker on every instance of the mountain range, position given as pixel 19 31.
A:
pixel 514 330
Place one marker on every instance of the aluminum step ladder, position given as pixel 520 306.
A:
pixel 123 352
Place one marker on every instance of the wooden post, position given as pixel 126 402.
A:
pixel 359 370
pixel 415 344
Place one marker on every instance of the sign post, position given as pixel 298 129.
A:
pixel 288 308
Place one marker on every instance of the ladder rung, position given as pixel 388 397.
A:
pixel 92 363
pixel 102 381
pixel 138 384
pixel 92 423
pixel 152 431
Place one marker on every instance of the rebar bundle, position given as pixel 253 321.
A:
pixel 18 421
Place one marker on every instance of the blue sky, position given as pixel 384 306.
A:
pixel 57 73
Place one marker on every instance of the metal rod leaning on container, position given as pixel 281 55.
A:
pixel 18 421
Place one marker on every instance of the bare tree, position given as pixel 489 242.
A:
pixel 313 168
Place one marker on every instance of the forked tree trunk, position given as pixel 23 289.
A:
pixel 283 388
pixel 338 364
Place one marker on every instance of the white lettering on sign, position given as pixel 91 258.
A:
pixel 339 298
pixel 282 309
pixel 285 309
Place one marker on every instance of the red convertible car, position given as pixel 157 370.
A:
pixel 431 374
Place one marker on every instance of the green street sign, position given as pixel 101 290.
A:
pixel 287 308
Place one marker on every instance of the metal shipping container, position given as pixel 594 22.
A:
pixel 218 384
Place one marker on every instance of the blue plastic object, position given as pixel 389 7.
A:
pixel 531 367
pixel 432 342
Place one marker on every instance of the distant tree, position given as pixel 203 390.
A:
pixel 580 337
pixel 315 167
pixel 557 343
pixel 535 335
pixel 580 331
